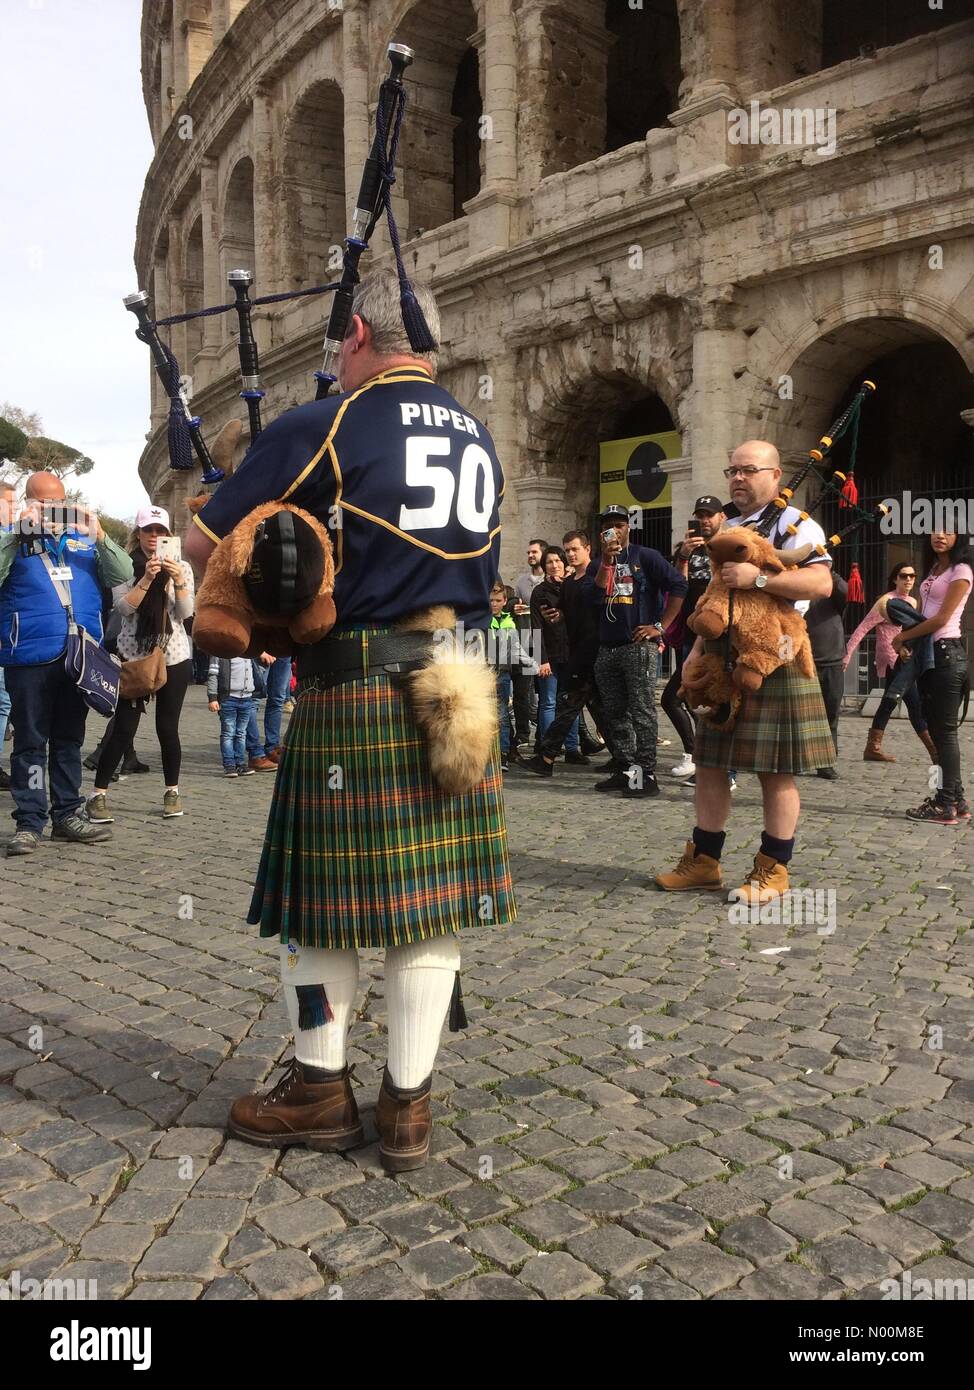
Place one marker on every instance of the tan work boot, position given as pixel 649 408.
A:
pixel 693 871
pixel 405 1125
pixel 873 751
pixel 319 1114
pixel 767 880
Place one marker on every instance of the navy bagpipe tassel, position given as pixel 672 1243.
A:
pixel 458 1015
pixel 314 1010
pixel 417 329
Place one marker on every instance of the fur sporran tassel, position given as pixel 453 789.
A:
pixel 458 1014
pixel 314 1010
pixel 454 700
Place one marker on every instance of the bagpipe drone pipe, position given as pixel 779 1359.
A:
pixel 185 436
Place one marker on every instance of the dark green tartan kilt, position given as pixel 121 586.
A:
pixel 362 847
pixel 780 728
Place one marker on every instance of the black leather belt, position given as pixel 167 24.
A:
pixel 335 660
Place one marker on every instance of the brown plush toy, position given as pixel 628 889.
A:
pixel 228 620
pixel 766 632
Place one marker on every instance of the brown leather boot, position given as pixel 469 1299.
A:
pixel 405 1125
pixel 873 752
pixel 319 1114
pixel 693 871
pixel 766 881
pixel 930 746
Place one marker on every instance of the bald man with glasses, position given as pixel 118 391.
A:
pixel 781 730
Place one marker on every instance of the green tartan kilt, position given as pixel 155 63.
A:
pixel 780 728
pixel 362 848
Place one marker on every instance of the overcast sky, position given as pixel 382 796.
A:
pixel 76 151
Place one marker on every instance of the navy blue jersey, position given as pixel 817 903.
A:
pixel 406 481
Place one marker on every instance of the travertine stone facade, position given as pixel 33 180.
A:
pixel 744 285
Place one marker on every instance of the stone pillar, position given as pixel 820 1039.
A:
pixel 708 45
pixel 179 51
pixel 177 297
pixel 266 193
pixel 777 43
pixel 199 46
pixel 166 94
pixel 717 405
pixel 161 299
pixel 220 19
pixel 355 92
pixel 500 416
pixel 491 211
pixel 542 511
pixel 213 291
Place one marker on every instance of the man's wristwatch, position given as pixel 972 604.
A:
pixel 761 582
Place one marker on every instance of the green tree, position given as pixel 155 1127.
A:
pixel 51 456
pixel 117 530
pixel 13 441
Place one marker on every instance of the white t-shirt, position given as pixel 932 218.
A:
pixel 808 532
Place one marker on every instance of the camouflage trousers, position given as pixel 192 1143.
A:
pixel 626 677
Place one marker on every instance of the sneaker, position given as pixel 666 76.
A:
pixel 78 831
pixel 91 762
pixel 288 706
pixel 829 773
pixel 615 783
pixel 245 771
pixel 24 842
pixel 663 742
pixel 538 766
pixel 133 765
pixel 648 787
pixel 578 759
pixel 691 782
pixel 693 871
pixel 505 765
pixel 935 811
pixel 262 764
pixel 4 780
pixel 171 805
pixel 230 772
pixel 591 746
pixel 685 767
pixel 962 810
pixel 97 810
pixel 731 783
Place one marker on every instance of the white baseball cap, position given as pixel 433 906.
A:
pixel 153 516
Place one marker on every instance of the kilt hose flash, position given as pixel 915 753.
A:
pixel 780 728
pixel 362 848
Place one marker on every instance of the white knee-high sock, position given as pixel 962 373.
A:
pixel 419 984
pixel 305 973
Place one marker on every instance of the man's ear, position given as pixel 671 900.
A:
pixel 360 333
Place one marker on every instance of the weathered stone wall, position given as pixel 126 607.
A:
pixel 682 265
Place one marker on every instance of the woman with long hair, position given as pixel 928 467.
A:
pixel 546 617
pixel 900 585
pixel 152 609
pixel 943 597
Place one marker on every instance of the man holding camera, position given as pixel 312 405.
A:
pixel 630 582
pixel 693 561
pixel 47 708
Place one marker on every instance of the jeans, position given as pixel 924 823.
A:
pixel 550 689
pixel 278 685
pixel 941 690
pixel 235 715
pixel 911 698
pixel 4 709
pixel 49 728
pixel 626 678
pixel 504 710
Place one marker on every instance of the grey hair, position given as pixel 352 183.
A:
pixel 376 302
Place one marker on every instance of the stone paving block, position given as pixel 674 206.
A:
pixel 757 1239
pixel 434 1267
pixel 23 1170
pixel 809 1221
pixel 288 1274
pixel 298 1223
pixel 704 1268
pixel 247 1244
pixel 932 1172
pixel 692 1165
pixel 374 1197
pixel 590 1164
pixel 667 1224
pixel 530 1185
pixel 499 1245
pixel 602 1199
pixel 898 1236
pixel 550 1223
pixel 489 1288
pixel 104 1279
pixel 209 1216
pixel 479 1202
pixel 850 1261
pixel 114 1241
pixel 845 1198
pixel 21 1241
pixel 885 1185
pixel 612 1251
pixel 183 1256
pixel 559 1276
pixel 720 1201
pixel 655 1286
pixel 420 1225
pixel 948 1216
pixel 781 1282
pixel 38 1203
pixel 493 1158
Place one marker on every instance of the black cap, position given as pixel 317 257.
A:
pixel 614 509
pixel 708 504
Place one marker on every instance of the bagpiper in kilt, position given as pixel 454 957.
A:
pixel 369 843
pixel 780 730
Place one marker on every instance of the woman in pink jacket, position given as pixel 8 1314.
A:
pixel 901 582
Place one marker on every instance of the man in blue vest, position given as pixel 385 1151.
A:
pixel 47 708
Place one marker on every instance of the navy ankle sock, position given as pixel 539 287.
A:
pixel 709 841
pixel 782 850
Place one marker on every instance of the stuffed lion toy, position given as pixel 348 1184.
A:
pixel 230 619
pixel 766 632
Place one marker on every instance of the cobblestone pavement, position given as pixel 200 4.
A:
pixel 797 1125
